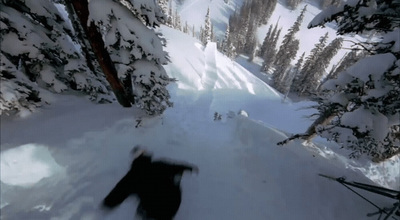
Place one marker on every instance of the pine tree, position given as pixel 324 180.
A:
pixel 170 18
pixel 227 46
pixel 288 38
pixel 207 31
pixel 212 37
pixel 186 28
pixel 287 51
pixel 46 57
pixel 251 42
pixel 300 80
pixel 270 48
pixel 201 35
pixel 135 50
pixel 360 109
pixel 288 80
pixel 279 76
pixel 225 42
pixel 266 10
pixel 296 70
pixel 266 42
pixel 242 32
pixel 348 60
pixel 276 38
pixel 177 21
pixel 250 15
pixel 231 53
pixel 271 38
pixel 312 79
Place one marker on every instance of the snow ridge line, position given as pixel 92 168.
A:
pixel 210 76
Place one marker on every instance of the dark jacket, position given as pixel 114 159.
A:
pixel 155 183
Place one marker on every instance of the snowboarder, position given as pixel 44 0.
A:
pixel 155 183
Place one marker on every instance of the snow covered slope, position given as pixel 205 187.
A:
pixel 79 150
pixel 211 70
pixel 214 79
pixel 194 12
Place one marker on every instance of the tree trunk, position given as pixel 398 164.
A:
pixel 323 120
pixel 103 57
pixel 311 132
pixel 83 40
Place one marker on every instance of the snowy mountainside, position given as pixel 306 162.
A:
pixel 194 11
pixel 238 89
pixel 206 73
pixel 226 82
pixel 308 37
pixel 60 162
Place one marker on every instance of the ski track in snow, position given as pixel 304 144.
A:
pixel 210 76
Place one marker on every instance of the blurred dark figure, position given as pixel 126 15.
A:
pixel 156 183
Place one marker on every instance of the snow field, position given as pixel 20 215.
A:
pixel 60 162
pixel 243 174
pixel 194 11
pixel 73 152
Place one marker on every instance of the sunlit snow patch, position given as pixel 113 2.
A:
pixel 26 165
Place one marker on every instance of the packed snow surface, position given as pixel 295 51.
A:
pixel 60 162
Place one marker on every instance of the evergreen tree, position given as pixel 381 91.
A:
pixel 207 31
pixel 300 80
pixel 266 42
pixel 251 42
pixel 360 109
pixel 185 28
pixel 250 15
pixel 227 46
pixel 276 38
pixel 138 50
pixel 288 38
pixel 129 51
pixel 177 21
pixel 45 58
pixel 313 77
pixel 270 43
pixel 170 18
pixel 348 60
pixel 287 50
pixel 212 37
pixel 231 52
pixel 242 32
pixel 288 80
pixel 279 76
pixel 225 42
pixel 201 34
pixel 266 10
